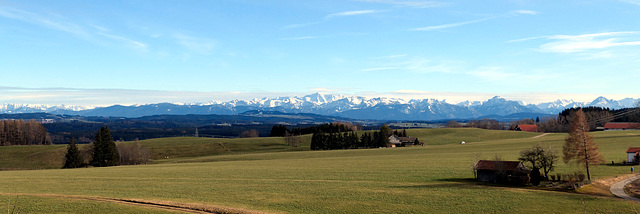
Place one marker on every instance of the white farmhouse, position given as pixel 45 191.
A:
pixel 632 152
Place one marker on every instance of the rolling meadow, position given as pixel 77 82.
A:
pixel 262 175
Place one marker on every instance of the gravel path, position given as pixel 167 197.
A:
pixel 618 188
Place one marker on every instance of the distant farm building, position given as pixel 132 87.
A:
pixel 396 141
pixel 632 153
pixel 621 126
pixel 527 128
pixel 504 172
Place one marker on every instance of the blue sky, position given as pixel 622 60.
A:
pixel 119 52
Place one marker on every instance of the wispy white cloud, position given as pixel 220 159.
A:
pixel 635 2
pixel 44 21
pixel 412 64
pixel 586 42
pixel 524 12
pixel 349 13
pixel 579 43
pixel 331 89
pixel 91 32
pixel 493 74
pixel 332 16
pixel 196 44
pixel 451 25
pixel 128 42
pixel 413 4
pixel 458 24
pixel 300 25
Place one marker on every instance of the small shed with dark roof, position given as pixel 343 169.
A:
pixel 506 172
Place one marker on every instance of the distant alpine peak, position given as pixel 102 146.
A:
pixel 356 107
pixel 322 98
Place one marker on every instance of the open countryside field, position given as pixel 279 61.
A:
pixel 431 179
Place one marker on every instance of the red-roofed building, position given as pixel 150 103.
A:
pixel 632 153
pixel 621 126
pixel 527 128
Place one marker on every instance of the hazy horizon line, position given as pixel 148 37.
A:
pixel 127 97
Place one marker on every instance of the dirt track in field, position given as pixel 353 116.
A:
pixel 164 205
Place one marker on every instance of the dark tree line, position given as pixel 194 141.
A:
pixel 348 140
pixel 351 140
pixel 20 132
pixel 335 127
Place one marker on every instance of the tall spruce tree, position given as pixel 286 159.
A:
pixel 72 158
pixel 105 152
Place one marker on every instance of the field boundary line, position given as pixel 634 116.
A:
pixel 165 205
pixel 224 147
pixel 542 135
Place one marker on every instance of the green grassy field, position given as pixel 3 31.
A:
pixel 431 179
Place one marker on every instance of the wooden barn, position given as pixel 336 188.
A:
pixel 504 172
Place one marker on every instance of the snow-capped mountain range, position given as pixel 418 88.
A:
pixel 354 107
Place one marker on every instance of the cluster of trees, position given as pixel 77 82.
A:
pixel 482 124
pixel 20 132
pixel 348 140
pixel 579 149
pixel 539 158
pixel 487 124
pixel 335 127
pixel 249 134
pixel 351 140
pixel 133 154
pixel 104 152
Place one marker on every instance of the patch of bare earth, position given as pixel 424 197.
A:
pixel 633 189
pixel 602 187
pixel 165 205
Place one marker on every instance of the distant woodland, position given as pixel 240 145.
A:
pixel 596 117
pixel 20 132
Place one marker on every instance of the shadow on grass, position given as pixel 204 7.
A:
pixel 448 183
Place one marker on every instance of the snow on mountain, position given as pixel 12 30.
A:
pixel 355 107
pixel 30 108
pixel 469 103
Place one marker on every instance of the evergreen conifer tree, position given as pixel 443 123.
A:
pixel 105 152
pixel 72 158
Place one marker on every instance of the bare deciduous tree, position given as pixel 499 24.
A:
pixel 19 132
pixel 453 124
pixel 293 141
pixel 250 133
pixel 579 147
pixel 133 154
